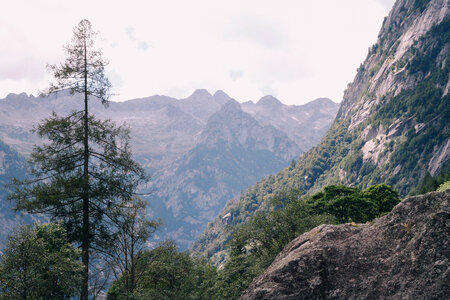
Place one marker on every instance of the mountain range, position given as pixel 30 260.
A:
pixel 200 151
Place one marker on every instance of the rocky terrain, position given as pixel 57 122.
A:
pixel 304 124
pixel 403 255
pixel 392 127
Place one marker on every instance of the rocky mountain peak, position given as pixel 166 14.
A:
pixel 384 71
pixel 13 96
pixel 269 101
pixel 322 102
pixel 221 97
pixel 231 107
pixel 200 94
pixel 233 125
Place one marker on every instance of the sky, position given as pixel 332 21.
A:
pixel 295 50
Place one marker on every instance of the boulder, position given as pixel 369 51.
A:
pixel 403 255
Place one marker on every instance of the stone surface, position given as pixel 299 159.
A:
pixel 403 255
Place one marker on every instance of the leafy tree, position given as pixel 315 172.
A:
pixel 351 204
pixel 236 276
pixel 169 274
pixel 345 203
pixel 86 169
pixel 39 263
pixel 351 208
pixel 383 196
pixel 130 241
pixel 443 187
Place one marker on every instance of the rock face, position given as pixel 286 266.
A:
pixel 392 126
pixel 302 123
pixel 403 255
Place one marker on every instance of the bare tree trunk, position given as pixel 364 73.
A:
pixel 85 233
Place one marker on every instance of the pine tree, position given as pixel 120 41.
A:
pixel 86 169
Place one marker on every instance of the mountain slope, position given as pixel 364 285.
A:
pixel 403 255
pixel 12 164
pixel 179 142
pixel 393 124
pixel 233 153
pixel 304 124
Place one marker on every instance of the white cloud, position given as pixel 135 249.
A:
pixel 131 31
pixel 236 74
pixel 254 29
pixel 141 45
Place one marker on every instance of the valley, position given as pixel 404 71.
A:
pixel 200 151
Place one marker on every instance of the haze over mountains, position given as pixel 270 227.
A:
pixel 200 151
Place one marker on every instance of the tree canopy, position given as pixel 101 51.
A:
pixel 39 263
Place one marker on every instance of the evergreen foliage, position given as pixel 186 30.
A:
pixel 430 183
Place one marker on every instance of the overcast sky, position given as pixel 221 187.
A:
pixel 294 50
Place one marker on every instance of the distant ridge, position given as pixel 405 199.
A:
pixel 205 137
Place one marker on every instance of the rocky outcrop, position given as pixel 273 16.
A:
pixel 383 72
pixel 403 255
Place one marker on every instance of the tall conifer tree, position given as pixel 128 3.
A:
pixel 86 169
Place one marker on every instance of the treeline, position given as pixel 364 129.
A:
pixel 40 262
pixel 169 274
